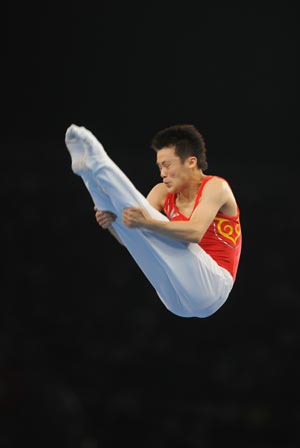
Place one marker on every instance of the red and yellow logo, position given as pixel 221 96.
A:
pixel 227 229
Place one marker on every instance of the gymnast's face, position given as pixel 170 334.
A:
pixel 175 174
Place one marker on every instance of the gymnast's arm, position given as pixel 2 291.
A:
pixel 105 218
pixel 216 194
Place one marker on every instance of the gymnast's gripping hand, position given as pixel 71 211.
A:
pixel 104 218
pixel 135 217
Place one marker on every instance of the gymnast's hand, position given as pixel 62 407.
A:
pixel 135 217
pixel 104 218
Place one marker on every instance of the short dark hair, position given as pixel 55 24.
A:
pixel 187 141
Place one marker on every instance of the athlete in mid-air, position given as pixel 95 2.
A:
pixel 186 235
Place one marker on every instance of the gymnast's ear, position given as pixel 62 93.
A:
pixel 192 161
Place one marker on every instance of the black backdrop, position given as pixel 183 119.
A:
pixel 89 356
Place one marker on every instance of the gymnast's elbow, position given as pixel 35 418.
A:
pixel 195 236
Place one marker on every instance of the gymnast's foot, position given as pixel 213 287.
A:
pixel 83 148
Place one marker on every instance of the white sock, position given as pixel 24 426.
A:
pixel 83 146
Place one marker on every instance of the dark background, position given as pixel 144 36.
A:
pixel 89 356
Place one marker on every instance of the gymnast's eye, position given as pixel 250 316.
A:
pixel 163 165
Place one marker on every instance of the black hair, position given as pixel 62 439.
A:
pixel 187 141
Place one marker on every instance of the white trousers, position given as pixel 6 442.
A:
pixel 186 279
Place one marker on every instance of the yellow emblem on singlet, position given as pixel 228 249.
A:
pixel 228 230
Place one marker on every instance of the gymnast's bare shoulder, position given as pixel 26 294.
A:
pixel 157 196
